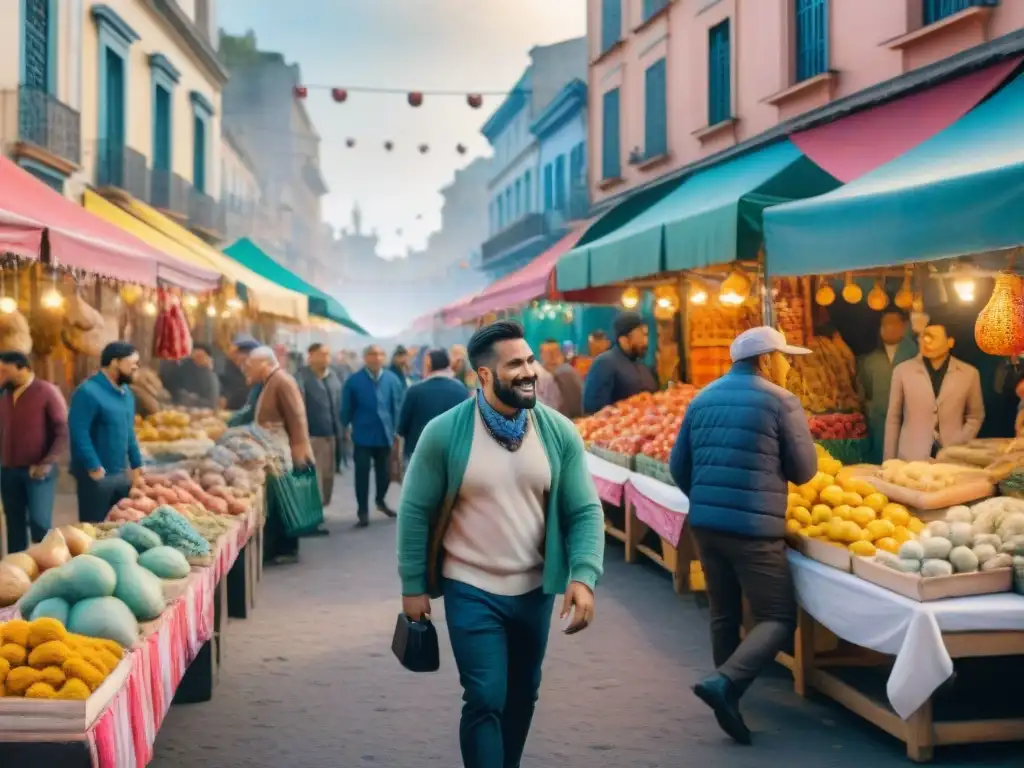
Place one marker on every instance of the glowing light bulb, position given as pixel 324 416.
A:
pixel 52 299
pixel 234 303
pixel 630 298
pixel 191 301
pixel 731 299
pixel 699 296
pixel 226 313
pixel 149 308
pixel 665 302
pixel 8 305
pixel 964 288
pixel 211 311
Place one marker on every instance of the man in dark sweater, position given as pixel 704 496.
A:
pixel 440 391
pixel 198 385
pixel 321 391
pixel 566 378
pixel 400 366
pixel 234 387
pixel 620 372
pixel 34 424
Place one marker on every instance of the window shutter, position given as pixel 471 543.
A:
pixel 719 74
pixel 655 111
pixel 610 148
pixel 811 38
pixel 611 23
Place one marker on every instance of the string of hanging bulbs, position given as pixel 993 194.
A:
pixel 340 95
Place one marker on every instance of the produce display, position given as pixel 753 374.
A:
pixel 847 511
pixel 645 423
pixel 789 312
pixel 19 570
pixel 838 426
pixel 825 380
pixel 42 659
pixel 712 325
pixel 172 425
pixel 985 537
pixel 921 475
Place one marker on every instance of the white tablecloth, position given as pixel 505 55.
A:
pixel 872 617
pixel 667 496
pixel 607 471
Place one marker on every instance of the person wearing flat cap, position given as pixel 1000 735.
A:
pixel 620 372
pixel 743 439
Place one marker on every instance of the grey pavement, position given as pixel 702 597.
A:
pixel 310 682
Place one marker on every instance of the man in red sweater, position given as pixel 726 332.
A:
pixel 34 426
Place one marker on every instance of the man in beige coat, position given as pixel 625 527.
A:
pixel 935 401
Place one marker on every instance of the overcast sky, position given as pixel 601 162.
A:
pixel 460 45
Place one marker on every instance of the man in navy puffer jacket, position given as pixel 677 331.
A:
pixel 744 437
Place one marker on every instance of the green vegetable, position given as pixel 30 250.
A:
pixel 88 576
pixel 51 583
pixel 104 617
pixel 52 608
pixel 165 562
pixel 177 532
pixel 911 550
pixel 937 548
pixel 139 537
pixel 114 551
pixel 933 568
pixel 141 591
pixel 963 560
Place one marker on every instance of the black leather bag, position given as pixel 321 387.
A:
pixel 415 645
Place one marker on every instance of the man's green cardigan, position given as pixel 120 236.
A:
pixel 574 539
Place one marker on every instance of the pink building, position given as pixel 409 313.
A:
pixel 675 82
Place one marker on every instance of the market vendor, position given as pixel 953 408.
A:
pixel 620 372
pixel 874 372
pixel 198 385
pixel 597 344
pixel 105 456
pixel 935 401
pixel 234 387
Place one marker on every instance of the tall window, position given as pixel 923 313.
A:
pixel 510 213
pixel 651 7
pixel 611 23
pixel 519 197
pixel 655 110
pixel 39 40
pixel 811 38
pixel 199 154
pixel 501 212
pixel 560 182
pixel 161 129
pixel 549 187
pixel 610 141
pixel 528 191
pixel 719 74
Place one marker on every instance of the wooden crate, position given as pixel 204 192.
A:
pixel 30 718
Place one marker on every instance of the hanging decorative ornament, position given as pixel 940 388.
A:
pixel 878 299
pixel 423 148
pixel 825 296
pixel 905 296
pixel 999 329
pixel 460 148
pixel 475 100
pixel 666 302
pixel 735 289
pixel 388 146
pixel 630 297
pixel 852 293
pixel 917 303
pixel 130 294
pixel 340 95
pixel 350 143
pixel 415 98
pixel 300 91
pixel 698 293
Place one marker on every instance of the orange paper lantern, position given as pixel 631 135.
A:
pixel 999 329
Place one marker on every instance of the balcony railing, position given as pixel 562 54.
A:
pixel 123 168
pixel 170 193
pixel 526 228
pixel 36 118
pixel 937 10
pixel 205 213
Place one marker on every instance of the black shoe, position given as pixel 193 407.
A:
pixel 721 695
pixel 321 531
pixel 386 510
pixel 362 522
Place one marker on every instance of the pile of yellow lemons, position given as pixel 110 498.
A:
pixel 848 512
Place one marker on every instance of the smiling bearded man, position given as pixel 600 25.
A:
pixel 498 514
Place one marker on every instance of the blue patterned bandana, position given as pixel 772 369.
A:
pixel 509 433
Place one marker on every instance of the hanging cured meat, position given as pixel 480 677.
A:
pixel 172 339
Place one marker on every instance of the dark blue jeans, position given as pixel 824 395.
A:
pixel 28 505
pixel 499 644
pixel 96 497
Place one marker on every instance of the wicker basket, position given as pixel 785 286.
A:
pixel 653 468
pixel 619 459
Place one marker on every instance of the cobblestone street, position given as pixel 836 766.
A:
pixel 310 682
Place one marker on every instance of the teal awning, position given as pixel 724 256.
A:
pixel 251 256
pixel 959 193
pixel 713 217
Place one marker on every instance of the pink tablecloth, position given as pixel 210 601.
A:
pixel 665 522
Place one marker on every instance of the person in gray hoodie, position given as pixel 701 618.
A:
pixel 743 439
pixel 321 391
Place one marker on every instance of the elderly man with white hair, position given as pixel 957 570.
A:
pixel 279 410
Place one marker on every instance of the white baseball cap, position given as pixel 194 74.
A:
pixel 761 341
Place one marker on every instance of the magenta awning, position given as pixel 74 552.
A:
pixel 860 143
pixel 528 283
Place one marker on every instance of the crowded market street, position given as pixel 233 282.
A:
pixel 310 682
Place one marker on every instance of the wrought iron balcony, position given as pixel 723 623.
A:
pixel 526 228
pixel 170 193
pixel 38 120
pixel 205 214
pixel 122 168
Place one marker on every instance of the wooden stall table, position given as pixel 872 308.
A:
pixel 610 480
pixel 919 640
pixel 652 505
